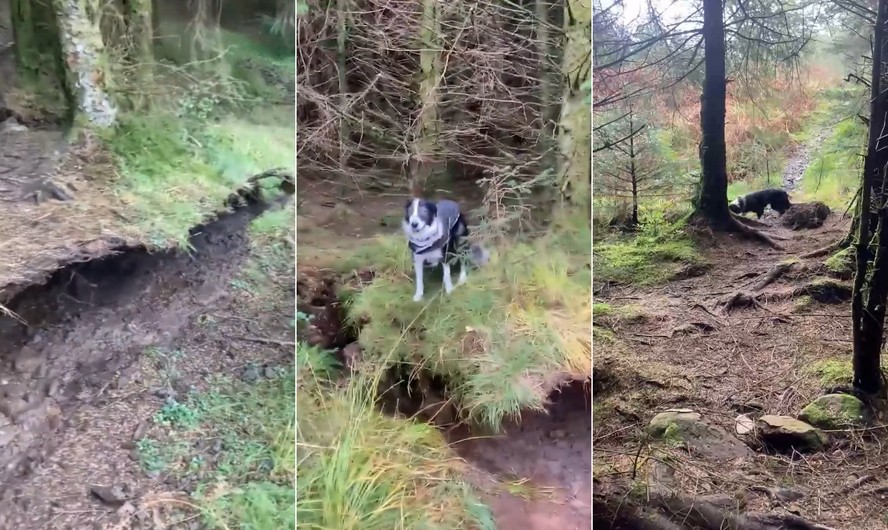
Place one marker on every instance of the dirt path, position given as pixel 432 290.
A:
pixel 74 385
pixel 536 475
pixel 800 159
pixel 676 348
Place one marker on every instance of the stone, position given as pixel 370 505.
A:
pixel 111 495
pixel 250 375
pixel 783 433
pixel 744 424
pixel 685 427
pixel 28 360
pixel 836 411
pixel 353 355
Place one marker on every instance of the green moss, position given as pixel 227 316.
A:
pixel 835 411
pixel 602 310
pixel 832 372
pixel 651 257
pixel 841 263
pixel 802 303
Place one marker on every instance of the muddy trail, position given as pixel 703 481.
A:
pixel 74 397
pixel 536 473
pixel 744 335
pixel 800 158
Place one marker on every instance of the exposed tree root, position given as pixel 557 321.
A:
pixel 670 511
pixel 829 249
pixel 752 233
pixel 773 275
pixel 739 300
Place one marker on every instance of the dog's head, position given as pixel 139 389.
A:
pixel 419 215
pixel 736 205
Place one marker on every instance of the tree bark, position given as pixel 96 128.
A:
pixel 575 123
pixel 548 84
pixel 140 35
pixel 425 144
pixel 341 65
pixel 85 60
pixel 870 294
pixel 712 204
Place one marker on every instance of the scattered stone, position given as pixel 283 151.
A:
pixel 692 327
pixel 140 430
pixel 805 215
pixel 250 375
pixel 693 270
pixel 686 428
pixel 836 411
pixel 557 434
pixel 112 495
pixel 785 494
pixel 164 393
pixel 782 433
pixel 744 424
pixel 7 436
pixel 270 372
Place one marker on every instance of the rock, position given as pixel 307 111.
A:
pixel 836 411
pixel 783 433
pixel 164 393
pixel 826 291
pixel 112 495
pixel 12 125
pixel 250 375
pixel 785 494
pixel 686 427
pixel 692 327
pixel 693 270
pixel 269 372
pixel 744 424
pixel 805 215
pixel 557 434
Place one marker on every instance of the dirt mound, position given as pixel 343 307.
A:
pixel 805 216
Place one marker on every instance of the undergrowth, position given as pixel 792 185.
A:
pixel 210 128
pixel 651 256
pixel 499 339
pixel 358 469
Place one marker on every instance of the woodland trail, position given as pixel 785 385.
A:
pixel 676 346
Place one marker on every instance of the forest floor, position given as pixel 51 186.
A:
pixel 535 473
pixel 147 332
pixel 673 346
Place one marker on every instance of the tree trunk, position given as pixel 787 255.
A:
pixel 870 293
pixel 633 170
pixel 85 60
pixel 575 140
pixel 548 84
pixel 24 29
pixel 140 36
pixel 712 204
pixel 425 142
pixel 341 65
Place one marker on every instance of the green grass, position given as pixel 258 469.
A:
pixel 249 483
pixel 497 339
pixel 832 372
pixel 180 161
pixel 358 469
pixel 272 246
pixel 651 257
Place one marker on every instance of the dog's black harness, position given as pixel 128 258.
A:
pixel 448 215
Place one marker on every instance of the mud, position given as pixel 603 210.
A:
pixel 553 451
pixel 74 342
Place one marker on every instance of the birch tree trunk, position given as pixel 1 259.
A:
pixel 85 61
pixel 575 139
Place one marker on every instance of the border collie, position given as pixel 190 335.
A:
pixel 437 233
pixel 756 201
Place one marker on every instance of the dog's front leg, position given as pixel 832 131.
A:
pixel 417 269
pixel 448 282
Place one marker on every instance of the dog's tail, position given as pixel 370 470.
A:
pixel 480 255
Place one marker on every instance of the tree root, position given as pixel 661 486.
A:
pixel 740 227
pixel 739 300
pixel 823 251
pixel 773 275
pixel 662 510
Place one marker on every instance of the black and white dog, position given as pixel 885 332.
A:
pixel 756 201
pixel 437 233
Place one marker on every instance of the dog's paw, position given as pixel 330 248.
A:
pixel 417 297
pixel 448 289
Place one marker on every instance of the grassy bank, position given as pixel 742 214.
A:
pixel 499 340
pixel 361 470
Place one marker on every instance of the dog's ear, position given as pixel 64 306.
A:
pixel 433 209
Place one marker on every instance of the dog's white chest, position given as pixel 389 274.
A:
pixel 432 257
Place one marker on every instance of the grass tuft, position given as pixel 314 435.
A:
pixel 361 470
pixel 653 256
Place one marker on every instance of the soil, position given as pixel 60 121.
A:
pixel 536 475
pixel 75 387
pixel 683 347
